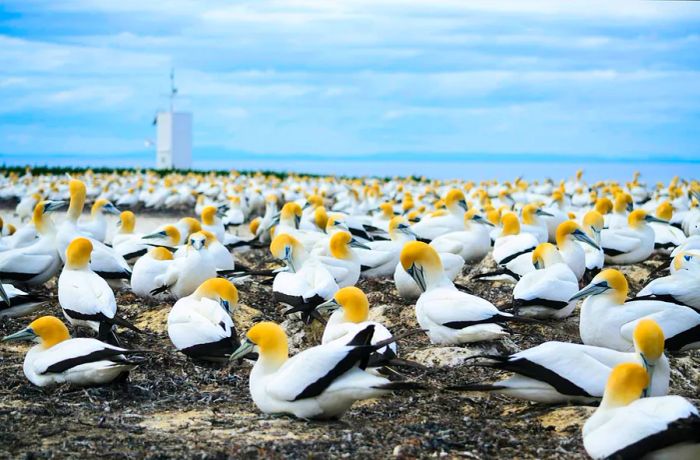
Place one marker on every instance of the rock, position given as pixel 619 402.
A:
pixel 153 320
pixel 449 356
pixel 245 317
pixel 378 314
pixel 566 419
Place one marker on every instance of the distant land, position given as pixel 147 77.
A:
pixel 435 165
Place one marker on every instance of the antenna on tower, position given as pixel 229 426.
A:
pixel 173 89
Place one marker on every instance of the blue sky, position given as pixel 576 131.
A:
pixel 350 79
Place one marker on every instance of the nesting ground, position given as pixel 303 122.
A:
pixel 173 407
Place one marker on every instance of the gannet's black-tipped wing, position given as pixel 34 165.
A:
pixel 311 372
pixel 72 353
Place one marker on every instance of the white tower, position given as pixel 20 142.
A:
pixel 174 135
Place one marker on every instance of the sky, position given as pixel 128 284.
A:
pixel 81 80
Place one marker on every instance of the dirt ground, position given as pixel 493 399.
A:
pixel 173 407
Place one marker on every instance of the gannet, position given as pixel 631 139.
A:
pixel 472 243
pixel 200 324
pixel 666 236
pixel 186 273
pixel 443 221
pixel 568 234
pixel 350 315
pixel 105 261
pixel 96 227
pixel 592 224
pixel 607 320
pixel 85 298
pixel 306 283
pixel 682 287
pixel 627 427
pixel 449 316
pixel 212 223
pixel 531 222
pixel 382 256
pixel 15 302
pixel 59 359
pixel 147 269
pixel 512 251
pixel 37 263
pixel 556 372
pixel 545 292
pixel 320 382
pixel 630 244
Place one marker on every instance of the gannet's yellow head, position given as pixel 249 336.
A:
pixel 557 197
pixel 469 216
pixel 649 339
pixel 77 191
pixel 208 215
pixel 545 255
pixel 41 223
pixel 190 225
pixel 611 283
pixel 455 200
pixel 638 218
pixel 623 202
pixel 399 228
pixel 494 217
pixel 394 223
pixel 682 260
pixel 127 222
pixel 78 253
pixel 568 231
pixel 284 247
pixel 387 210
pixel 320 217
pixel 314 201
pixel 271 341
pixel 625 385
pixel 160 253
pixel 333 223
pixel 422 262
pixel 511 224
pixel 593 220
pixel 413 216
pixel 197 241
pixel 354 304
pixel 530 213
pixel 473 216
pixel 102 204
pixel 220 290
pixel 664 211
pixel 209 236
pixel 47 330
pixel 291 214
pixel 173 234
pixel 603 205
pixel 340 244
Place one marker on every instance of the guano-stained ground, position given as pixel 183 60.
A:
pixel 172 407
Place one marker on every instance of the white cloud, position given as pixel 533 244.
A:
pixel 358 76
